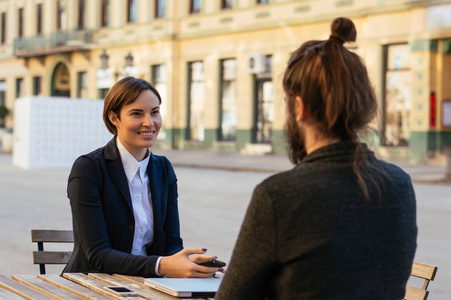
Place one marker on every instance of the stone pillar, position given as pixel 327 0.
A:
pixel 423 67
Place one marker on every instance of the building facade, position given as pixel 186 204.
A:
pixel 218 64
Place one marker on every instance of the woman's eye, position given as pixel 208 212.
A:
pixel 136 113
pixel 155 112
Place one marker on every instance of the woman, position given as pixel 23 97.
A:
pixel 341 224
pixel 124 198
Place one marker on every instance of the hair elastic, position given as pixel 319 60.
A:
pixel 336 38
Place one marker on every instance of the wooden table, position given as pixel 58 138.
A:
pixel 75 286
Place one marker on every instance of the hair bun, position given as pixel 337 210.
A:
pixel 343 29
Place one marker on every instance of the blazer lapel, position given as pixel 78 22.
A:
pixel 116 170
pixel 154 174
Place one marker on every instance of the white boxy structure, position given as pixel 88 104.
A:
pixel 51 132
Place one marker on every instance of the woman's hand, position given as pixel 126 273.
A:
pixel 181 264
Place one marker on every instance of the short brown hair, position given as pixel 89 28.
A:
pixel 124 92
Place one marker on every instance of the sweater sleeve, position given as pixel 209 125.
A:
pixel 254 256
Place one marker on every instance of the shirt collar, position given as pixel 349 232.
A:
pixel 131 165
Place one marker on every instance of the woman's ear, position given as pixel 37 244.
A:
pixel 299 109
pixel 113 118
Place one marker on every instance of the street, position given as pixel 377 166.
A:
pixel 212 204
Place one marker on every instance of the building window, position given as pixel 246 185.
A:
pixel 132 10
pixel 82 87
pixel 104 9
pixel 397 97
pixel 60 14
pixel 19 88
pixel 196 101
pixel 227 4
pixel 159 80
pixel 102 93
pixel 81 14
pixel 262 1
pixel 228 101
pixel 37 85
pixel 194 6
pixel 20 22
pixel 3 27
pixel 160 7
pixel 39 19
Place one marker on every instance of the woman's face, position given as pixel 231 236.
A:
pixel 139 124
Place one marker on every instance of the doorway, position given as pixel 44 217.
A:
pixel 397 102
pixel 264 111
pixel 61 81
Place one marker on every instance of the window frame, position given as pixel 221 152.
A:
pixel 81 14
pixel 131 6
pixel 37 85
pixel 227 4
pixel 3 29
pixel 59 14
pixel 39 19
pixel 192 7
pixel 158 5
pixel 104 13
pixel 20 20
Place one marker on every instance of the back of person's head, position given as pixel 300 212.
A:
pixel 124 92
pixel 338 98
pixel 333 84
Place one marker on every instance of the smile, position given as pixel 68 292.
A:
pixel 146 133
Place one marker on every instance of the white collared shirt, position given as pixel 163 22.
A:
pixel 138 184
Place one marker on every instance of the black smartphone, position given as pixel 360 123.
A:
pixel 121 291
pixel 211 263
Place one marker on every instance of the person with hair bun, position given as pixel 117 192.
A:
pixel 341 224
pixel 124 198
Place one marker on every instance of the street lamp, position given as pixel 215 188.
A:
pixel 104 59
pixel 129 60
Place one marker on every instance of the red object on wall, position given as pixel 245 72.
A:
pixel 432 110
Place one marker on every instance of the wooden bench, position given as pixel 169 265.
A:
pixel 43 257
pixel 423 271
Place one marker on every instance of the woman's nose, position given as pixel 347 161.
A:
pixel 148 121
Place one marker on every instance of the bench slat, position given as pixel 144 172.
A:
pixel 52 236
pixel 423 271
pixel 51 257
pixel 413 293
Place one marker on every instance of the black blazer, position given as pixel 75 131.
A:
pixel 102 214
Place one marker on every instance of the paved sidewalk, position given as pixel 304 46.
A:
pixel 271 163
pixel 233 161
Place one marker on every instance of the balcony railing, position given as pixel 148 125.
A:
pixel 58 41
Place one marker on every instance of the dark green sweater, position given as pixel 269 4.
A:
pixel 309 233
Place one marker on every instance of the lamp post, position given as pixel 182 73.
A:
pixel 129 60
pixel 104 59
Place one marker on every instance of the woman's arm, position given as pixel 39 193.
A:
pixel 254 255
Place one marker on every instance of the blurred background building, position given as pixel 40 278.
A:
pixel 218 64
